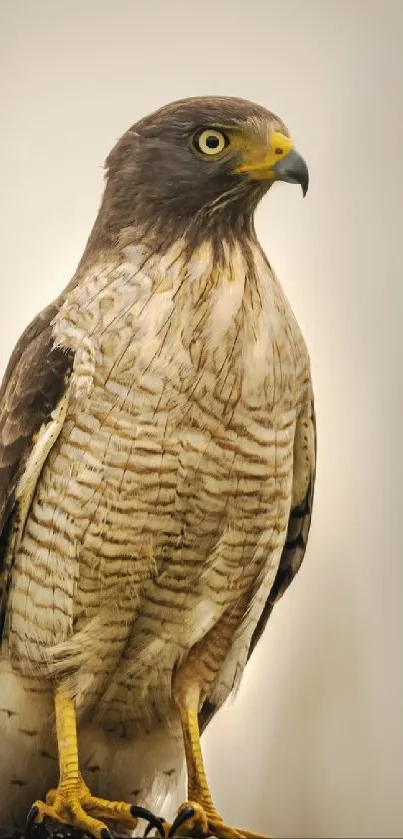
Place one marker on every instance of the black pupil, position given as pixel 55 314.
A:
pixel 212 142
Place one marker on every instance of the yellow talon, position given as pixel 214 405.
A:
pixel 72 803
pixel 203 823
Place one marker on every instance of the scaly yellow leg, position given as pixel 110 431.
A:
pixel 192 681
pixel 72 803
pixel 205 821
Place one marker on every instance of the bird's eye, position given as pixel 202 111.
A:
pixel 210 141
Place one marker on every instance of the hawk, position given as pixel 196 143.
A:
pixel 157 466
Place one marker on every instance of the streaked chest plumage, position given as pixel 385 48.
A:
pixel 168 491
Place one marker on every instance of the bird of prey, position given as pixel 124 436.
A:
pixel 157 465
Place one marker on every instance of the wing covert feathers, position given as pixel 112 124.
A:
pixel 32 388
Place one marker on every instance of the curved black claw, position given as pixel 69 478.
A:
pixel 30 820
pixel 159 827
pixel 33 829
pixel 105 833
pixel 183 816
pixel 153 821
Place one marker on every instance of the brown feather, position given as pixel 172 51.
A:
pixel 33 384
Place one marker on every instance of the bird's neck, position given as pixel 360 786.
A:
pixel 199 274
pixel 216 312
pixel 156 228
pixel 207 289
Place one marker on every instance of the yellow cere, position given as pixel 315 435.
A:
pixel 259 160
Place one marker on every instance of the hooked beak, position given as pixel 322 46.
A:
pixel 279 161
pixel 292 169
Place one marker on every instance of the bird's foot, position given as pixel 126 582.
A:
pixel 200 822
pixel 74 805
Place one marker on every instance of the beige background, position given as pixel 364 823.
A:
pixel 313 745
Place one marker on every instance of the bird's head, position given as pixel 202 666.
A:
pixel 197 164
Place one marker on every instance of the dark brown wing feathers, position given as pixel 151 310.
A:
pixel 34 381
